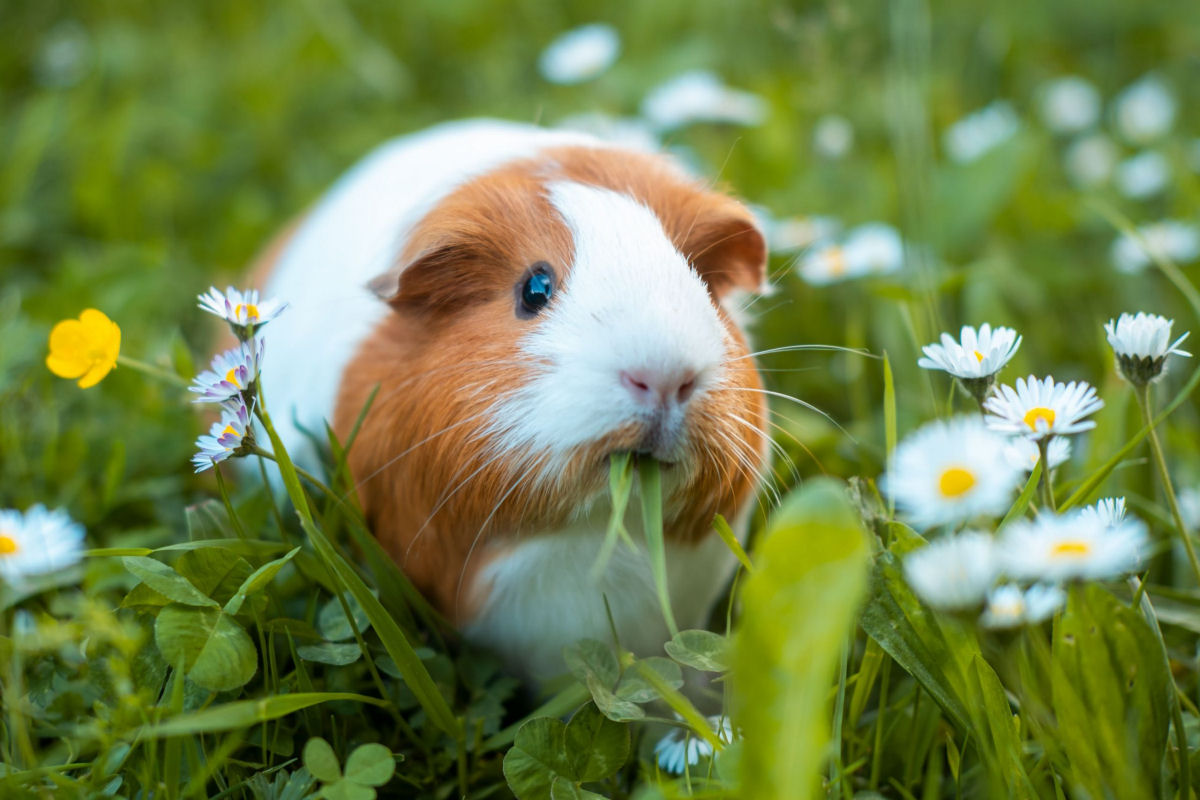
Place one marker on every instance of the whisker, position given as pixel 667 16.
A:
pixel 858 351
pixel 796 400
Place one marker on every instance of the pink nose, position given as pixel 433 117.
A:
pixel 657 389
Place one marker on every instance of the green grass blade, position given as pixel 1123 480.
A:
pixel 889 420
pixel 1024 499
pixel 727 536
pixel 620 484
pixel 652 527
pixel 246 713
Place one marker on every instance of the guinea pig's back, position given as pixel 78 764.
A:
pixel 353 234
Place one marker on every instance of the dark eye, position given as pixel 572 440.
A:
pixel 534 290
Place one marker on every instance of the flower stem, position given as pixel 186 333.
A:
pixel 1046 489
pixel 1143 396
pixel 152 371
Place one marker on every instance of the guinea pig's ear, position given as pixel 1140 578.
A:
pixel 440 276
pixel 725 245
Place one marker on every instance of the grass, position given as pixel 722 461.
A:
pixel 150 150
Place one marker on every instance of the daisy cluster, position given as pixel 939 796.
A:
pixel 952 479
pixel 232 379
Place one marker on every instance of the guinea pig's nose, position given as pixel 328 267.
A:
pixel 654 389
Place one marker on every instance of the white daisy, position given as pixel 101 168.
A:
pixel 1106 513
pixel 244 311
pixel 1171 240
pixel 680 748
pixel 977 354
pixel 37 542
pixel 1090 160
pixel 1145 110
pixel 580 54
pixel 231 374
pixel 1070 104
pixel 796 233
pixel 1143 175
pixel 1041 408
pixel 871 249
pixel 1009 606
pixel 977 133
pixel 833 136
pixel 700 96
pixel 951 471
pixel 1024 453
pixel 1074 545
pixel 231 436
pixel 630 132
pixel 1142 343
pixel 953 573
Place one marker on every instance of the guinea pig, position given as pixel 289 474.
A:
pixel 528 303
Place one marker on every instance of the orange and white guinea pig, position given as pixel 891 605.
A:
pixel 528 302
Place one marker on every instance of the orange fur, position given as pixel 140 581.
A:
pixel 437 498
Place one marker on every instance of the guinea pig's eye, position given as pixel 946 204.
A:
pixel 534 290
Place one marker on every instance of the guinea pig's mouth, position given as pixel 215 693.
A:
pixel 642 456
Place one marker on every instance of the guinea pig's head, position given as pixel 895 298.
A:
pixel 586 295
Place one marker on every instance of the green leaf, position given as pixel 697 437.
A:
pixel 166 581
pixel 702 650
pixel 206 520
pixel 592 657
pixel 370 765
pixel 650 478
pixel 211 647
pixel 536 758
pixel 321 761
pixel 215 571
pixel 798 610
pixel 634 686
pixel 562 789
pixel 610 705
pixel 1109 683
pixel 333 623
pixel 337 654
pixel 144 598
pixel 245 713
pixel 347 790
pixel 257 580
pixel 595 746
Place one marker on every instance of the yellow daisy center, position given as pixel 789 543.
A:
pixel 8 545
pixel 955 482
pixel 978 355
pixel 837 261
pixel 231 377
pixel 1070 548
pixel 1039 413
pixel 230 430
pixel 251 311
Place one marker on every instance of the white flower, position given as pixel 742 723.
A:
pixel 1145 110
pixel 244 311
pixel 580 54
pixel 1070 104
pixel 1024 454
pixel 37 542
pixel 225 438
pixel 680 748
pixel 1037 409
pixel 954 572
pixel 1143 175
pixel 1008 606
pixel 975 355
pixel 1106 513
pixel 1169 239
pixel 1189 507
pixel 1143 335
pixel 1089 160
pixel 833 136
pixel 974 135
pixel 700 96
pixel 796 233
pixel 1142 343
pixel 630 132
pixel 231 373
pixel 871 249
pixel 1074 545
pixel 951 471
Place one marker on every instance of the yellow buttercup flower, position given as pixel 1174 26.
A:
pixel 84 348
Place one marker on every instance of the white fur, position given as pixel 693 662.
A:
pixel 631 302
pixel 353 234
pixel 542 596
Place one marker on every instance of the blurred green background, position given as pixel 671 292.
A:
pixel 149 149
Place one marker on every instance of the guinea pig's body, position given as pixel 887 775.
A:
pixel 527 302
